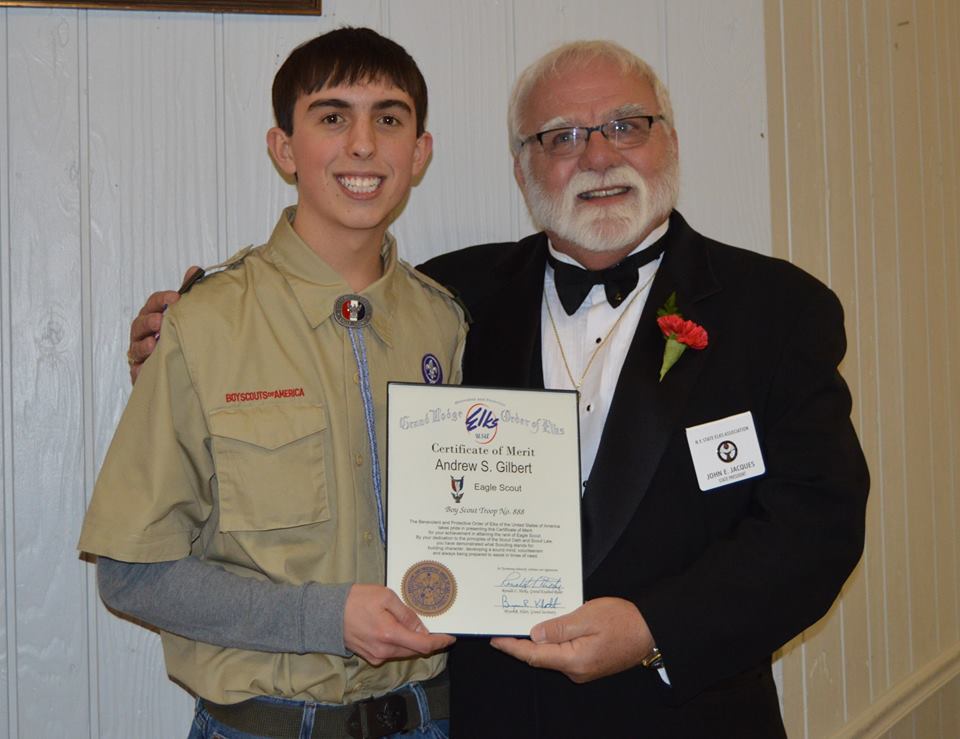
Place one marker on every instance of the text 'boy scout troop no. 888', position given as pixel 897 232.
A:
pixel 253 533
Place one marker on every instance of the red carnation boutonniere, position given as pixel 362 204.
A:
pixel 678 333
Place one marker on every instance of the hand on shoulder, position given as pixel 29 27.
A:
pixel 145 328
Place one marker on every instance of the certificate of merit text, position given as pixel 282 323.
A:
pixel 483 506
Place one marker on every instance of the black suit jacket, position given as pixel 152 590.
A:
pixel 723 578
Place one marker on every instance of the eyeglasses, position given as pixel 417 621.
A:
pixel 623 133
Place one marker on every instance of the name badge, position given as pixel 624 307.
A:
pixel 725 451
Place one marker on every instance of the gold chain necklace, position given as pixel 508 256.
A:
pixel 603 341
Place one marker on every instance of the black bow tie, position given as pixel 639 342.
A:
pixel 574 283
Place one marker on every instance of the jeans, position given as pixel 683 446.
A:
pixel 206 726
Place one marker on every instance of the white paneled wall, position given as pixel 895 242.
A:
pixel 132 146
pixel 865 159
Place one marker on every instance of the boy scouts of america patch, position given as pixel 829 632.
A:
pixel 352 311
pixel 429 588
pixel 432 371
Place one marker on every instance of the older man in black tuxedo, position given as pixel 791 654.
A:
pixel 724 491
pixel 699 579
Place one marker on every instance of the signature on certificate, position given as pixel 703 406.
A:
pixel 542 604
pixel 520 581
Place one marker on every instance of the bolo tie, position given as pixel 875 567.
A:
pixel 353 312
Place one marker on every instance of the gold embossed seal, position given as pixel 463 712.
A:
pixel 429 588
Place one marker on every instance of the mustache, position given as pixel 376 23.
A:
pixel 621 175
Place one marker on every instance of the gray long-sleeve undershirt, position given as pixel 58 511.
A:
pixel 201 601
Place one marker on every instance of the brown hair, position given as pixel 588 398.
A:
pixel 346 56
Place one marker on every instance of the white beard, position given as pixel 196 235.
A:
pixel 607 228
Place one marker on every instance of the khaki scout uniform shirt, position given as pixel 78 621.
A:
pixel 244 443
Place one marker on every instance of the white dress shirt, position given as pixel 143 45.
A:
pixel 595 327
pixel 581 334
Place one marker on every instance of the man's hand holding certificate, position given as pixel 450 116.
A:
pixel 483 506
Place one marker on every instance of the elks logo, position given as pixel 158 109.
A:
pixel 456 488
pixel 727 451
pixel 482 423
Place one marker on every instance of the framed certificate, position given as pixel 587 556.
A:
pixel 483 506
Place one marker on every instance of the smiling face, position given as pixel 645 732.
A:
pixel 354 150
pixel 596 206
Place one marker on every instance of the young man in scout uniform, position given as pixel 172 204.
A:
pixel 262 413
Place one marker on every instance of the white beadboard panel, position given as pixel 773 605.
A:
pixel 866 151
pixel 46 397
pixel 153 165
pixel 254 47
pixel 8 682
pixel 891 468
pixel 153 209
pixel 715 69
pixel 639 26
pixel 369 13
pixel 916 340
pixel 863 319
pixel 939 383
pixel 841 685
pixel 254 191
pixel 812 667
pixel 932 372
pixel 153 158
pixel 86 313
pixel 466 196
pixel 947 17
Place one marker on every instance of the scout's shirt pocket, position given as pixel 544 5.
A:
pixel 270 466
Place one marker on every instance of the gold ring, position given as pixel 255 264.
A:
pixel 130 360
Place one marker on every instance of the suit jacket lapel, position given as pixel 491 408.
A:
pixel 644 412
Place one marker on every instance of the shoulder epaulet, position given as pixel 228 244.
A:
pixel 235 261
pixel 455 296
pixel 444 290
